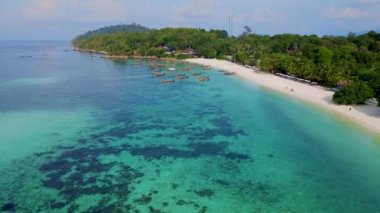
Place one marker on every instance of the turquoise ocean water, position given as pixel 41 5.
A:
pixel 79 133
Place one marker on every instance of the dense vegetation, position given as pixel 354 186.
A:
pixel 114 29
pixel 351 63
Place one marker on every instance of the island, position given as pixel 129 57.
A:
pixel 344 69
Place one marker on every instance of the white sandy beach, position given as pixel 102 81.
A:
pixel 367 116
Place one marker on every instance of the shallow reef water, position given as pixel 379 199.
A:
pixel 80 133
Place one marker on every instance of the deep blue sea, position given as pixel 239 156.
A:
pixel 81 133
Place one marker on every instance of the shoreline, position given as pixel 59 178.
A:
pixel 367 116
pixel 108 56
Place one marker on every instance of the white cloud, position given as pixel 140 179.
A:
pixel 368 1
pixel 261 16
pixel 79 10
pixel 192 13
pixel 104 10
pixel 4 15
pixel 8 18
pixel 38 9
pixel 197 8
pixel 193 10
pixel 346 13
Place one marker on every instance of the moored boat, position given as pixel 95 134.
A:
pixel 196 74
pixel 206 67
pixel 165 81
pixel 159 74
pixel 203 78
pixel 229 73
pixel 181 76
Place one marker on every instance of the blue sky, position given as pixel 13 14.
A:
pixel 64 19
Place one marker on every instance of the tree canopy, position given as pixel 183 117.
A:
pixel 351 62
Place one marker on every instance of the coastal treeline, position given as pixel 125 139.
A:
pixel 169 42
pixel 351 63
pixel 114 29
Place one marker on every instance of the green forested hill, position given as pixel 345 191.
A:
pixel 114 29
pixel 157 42
pixel 351 63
